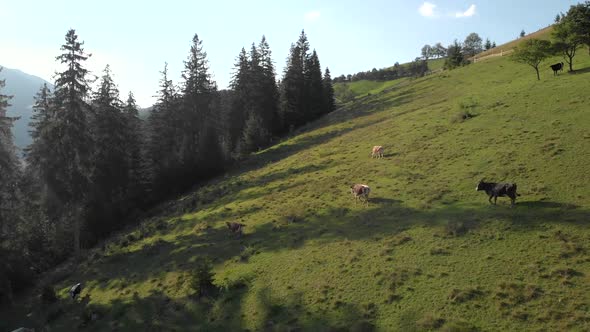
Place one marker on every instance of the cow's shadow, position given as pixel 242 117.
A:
pixel 384 201
pixel 546 205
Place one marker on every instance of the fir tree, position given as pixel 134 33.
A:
pixel 314 94
pixel 9 169
pixel 110 175
pixel 68 166
pixel 293 90
pixel 198 115
pixel 488 44
pixel 136 164
pixel 238 109
pixel 328 89
pixel 163 149
pixel 270 89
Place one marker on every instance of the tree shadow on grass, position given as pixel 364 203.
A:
pixel 123 272
pixel 157 311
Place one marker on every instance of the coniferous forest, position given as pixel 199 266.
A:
pixel 94 166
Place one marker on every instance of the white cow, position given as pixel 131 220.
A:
pixel 377 151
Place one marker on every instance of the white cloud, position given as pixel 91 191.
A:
pixel 468 13
pixel 427 9
pixel 312 16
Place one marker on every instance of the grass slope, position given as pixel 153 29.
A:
pixel 544 34
pixel 427 253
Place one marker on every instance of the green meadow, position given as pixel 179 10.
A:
pixel 427 253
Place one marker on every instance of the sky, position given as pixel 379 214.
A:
pixel 136 38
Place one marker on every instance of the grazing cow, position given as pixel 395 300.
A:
pixel 557 67
pixel 360 191
pixel 377 151
pixel 235 227
pixel 75 290
pixel 495 190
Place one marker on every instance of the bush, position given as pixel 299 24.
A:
pixel 202 278
pixel 466 110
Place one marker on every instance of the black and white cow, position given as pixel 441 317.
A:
pixel 557 67
pixel 495 190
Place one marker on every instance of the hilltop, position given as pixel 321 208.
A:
pixel 428 252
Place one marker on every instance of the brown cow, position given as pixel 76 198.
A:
pixel 360 191
pixel 235 227
pixel 377 151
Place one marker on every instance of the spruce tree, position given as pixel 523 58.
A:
pixel 328 89
pixel 198 116
pixel 293 91
pixel 68 166
pixel 314 94
pixel 9 169
pixel 136 164
pixel 163 148
pixel 270 89
pixel 238 110
pixel 110 175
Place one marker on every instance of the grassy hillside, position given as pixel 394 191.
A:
pixel 428 252
pixel 544 34
pixel 368 87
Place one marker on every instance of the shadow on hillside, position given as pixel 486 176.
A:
pixel 151 263
pixel 383 217
pixel 223 312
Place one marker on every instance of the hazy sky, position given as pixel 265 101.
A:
pixel 137 37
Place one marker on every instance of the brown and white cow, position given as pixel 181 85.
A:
pixel 235 227
pixel 377 151
pixel 360 191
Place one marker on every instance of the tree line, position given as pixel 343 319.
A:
pixel 456 55
pixel 570 32
pixel 94 165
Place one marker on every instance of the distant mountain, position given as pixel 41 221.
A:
pixel 23 87
pixel 144 113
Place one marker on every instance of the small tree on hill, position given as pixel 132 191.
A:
pixel 532 52
pixel 472 45
pixel 439 51
pixel 455 56
pixel 566 40
pixel 493 44
pixel 426 52
pixel 522 33
pixel 488 44
pixel 557 18
pixel 579 16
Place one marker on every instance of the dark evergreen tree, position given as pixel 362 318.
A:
pixel 136 162
pixel 328 89
pixel 197 115
pixel 110 176
pixel 9 169
pixel 67 168
pixel 293 86
pixel 255 134
pixel 270 89
pixel 240 98
pixel 455 57
pixel 488 44
pixel 162 148
pixel 314 89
